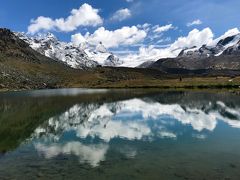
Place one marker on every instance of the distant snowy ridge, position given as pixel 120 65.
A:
pixel 229 45
pixel 86 55
pixel 79 57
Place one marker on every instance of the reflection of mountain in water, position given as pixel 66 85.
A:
pixel 135 119
pixel 130 119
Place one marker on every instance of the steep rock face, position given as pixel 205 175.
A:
pixel 79 57
pixel 10 45
pixel 233 50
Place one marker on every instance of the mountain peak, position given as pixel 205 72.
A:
pixel 6 34
pixel 101 48
pixel 5 31
pixel 46 37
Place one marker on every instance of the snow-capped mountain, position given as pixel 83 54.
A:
pixel 220 54
pixel 102 55
pixel 79 57
pixel 87 55
pixel 227 46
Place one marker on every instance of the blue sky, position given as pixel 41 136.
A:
pixel 218 15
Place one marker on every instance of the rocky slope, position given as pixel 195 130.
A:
pixel 79 57
pixel 146 64
pixel 21 67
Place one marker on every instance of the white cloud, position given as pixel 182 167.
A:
pixel 146 27
pixel 144 54
pixel 195 22
pixel 41 23
pixel 129 0
pixel 194 38
pixel 92 154
pixel 78 39
pixel 124 36
pixel 121 15
pixel 86 15
pixel 160 29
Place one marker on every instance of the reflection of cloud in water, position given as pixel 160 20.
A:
pixel 134 119
pixel 165 134
pixel 130 119
pixel 199 136
pixel 197 118
pixel 125 130
pixel 92 154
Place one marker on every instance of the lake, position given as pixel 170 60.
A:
pixel 119 134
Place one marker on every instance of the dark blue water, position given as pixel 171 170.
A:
pixel 126 134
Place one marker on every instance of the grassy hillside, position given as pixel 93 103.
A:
pixel 37 76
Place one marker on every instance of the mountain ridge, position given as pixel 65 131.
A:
pixel 217 49
pixel 223 55
pixel 80 56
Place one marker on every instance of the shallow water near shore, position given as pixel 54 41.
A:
pixel 119 134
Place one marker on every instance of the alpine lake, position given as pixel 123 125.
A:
pixel 119 134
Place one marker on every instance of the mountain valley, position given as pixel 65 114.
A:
pixel 27 63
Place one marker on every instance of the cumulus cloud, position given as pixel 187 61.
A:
pixel 78 39
pixel 160 29
pixel 194 38
pixel 145 54
pixel 124 36
pixel 41 23
pixel 86 15
pixel 195 22
pixel 121 15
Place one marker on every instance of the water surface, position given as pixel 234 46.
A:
pixel 119 134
